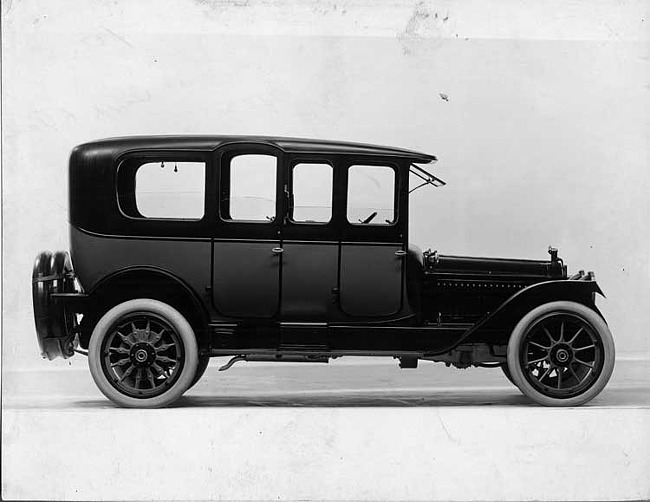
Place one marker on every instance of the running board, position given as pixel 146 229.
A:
pixel 320 338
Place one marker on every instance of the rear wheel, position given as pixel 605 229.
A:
pixel 561 354
pixel 143 354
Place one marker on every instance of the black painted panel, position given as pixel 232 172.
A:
pixel 371 279
pixel 309 274
pixel 94 257
pixel 246 278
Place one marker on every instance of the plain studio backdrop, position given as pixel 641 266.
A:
pixel 539 114
pixel 542 136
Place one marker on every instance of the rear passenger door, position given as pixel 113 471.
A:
pixel 247 249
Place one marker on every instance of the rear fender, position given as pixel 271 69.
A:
pixel 497 326
pixel 145 282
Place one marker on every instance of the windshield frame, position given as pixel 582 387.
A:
pixel 426 177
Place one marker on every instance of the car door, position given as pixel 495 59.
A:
pixel 247 249
pixel 310 242
pixel 373 241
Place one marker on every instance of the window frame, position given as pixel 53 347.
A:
pixel 125 183
pixel 226 229
pixel 396 192
pixel 225 162
pixel 290 193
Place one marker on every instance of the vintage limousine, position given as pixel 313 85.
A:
pixel 281 249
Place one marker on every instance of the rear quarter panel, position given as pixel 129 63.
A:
pixel 95 257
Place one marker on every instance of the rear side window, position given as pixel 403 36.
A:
pixel 170 190
pixel 249 187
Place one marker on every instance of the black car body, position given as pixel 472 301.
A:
pixel 273 278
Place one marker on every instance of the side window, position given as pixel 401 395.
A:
pixel 170 189
pixel 249 194
pixel 311 193
pixel 371 195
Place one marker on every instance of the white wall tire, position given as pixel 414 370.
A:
pixel 506 373
pixel 561 354
pixel 143 354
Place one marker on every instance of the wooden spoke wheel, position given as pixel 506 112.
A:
pixel 143 353
pixel 561 354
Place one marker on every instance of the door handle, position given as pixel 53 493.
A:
pixel 400 253
pixel 277 250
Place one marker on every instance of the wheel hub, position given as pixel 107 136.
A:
pixel 561 354
pixel 142 355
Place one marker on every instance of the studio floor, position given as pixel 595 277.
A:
pixel 351 429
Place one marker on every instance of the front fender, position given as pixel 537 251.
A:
pixel 497 325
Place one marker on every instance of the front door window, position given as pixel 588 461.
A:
pixel 371 195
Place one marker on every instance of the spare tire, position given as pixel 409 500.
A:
pixel 53 273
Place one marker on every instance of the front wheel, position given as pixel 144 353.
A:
pixel 561 354
pixel 200 369
pixel 143 354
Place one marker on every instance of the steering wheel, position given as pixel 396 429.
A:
pixel 369 218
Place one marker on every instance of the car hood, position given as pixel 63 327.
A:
pixel 491 267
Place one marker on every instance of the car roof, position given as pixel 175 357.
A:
pixel 117 146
